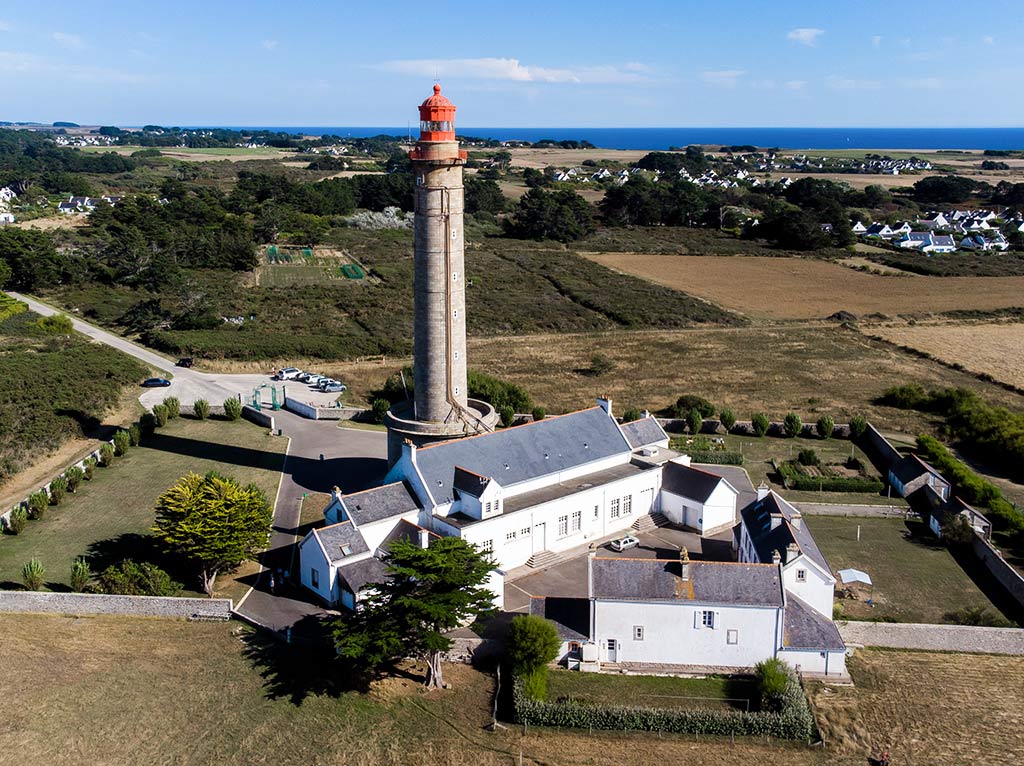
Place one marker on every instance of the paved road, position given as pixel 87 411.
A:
pixel 187 385
pixel 352 460
pixel 953 638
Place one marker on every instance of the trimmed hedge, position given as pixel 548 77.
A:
pixel 794 721
pixel 793 479
pixel 716 457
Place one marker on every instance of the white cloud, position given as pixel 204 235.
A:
pixel 805 35
pixel 796 84
pixel 876 41
pixel 848 83
pixel 67 40
pixel 987 39
pixel 28 64
pixel 514 70
pixel 724 78
pixel 269 44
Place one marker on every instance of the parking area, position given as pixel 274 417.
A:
pixel 568 578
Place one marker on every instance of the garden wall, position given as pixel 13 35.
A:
pixel 1007 576
pixel 879 450
pixel 323 413
pixel 94 603
pixel 258 417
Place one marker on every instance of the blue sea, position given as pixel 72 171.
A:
pixel 651 139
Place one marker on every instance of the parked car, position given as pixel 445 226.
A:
pixel 288 373
pixel 335 388
pixel 326 382
pixel 624 543
pixel 185 361
pixel 305 377
pixel 156 383
pixel 314 379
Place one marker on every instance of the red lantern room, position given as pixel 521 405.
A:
pixel 437 118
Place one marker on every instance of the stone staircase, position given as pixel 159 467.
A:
pixel 542 559
pixel 650 521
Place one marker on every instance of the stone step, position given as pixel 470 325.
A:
pixel 650 521
pixel 542 559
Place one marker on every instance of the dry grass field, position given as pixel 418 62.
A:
pixel 993 348
pixel 542 158
pixel 926 708
pixel 798 288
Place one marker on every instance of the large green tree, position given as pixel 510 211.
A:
pixel 214 522
pixel 428 592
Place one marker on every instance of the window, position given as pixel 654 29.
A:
pixel 732 637
pixel 577 519
pixel 314 577
pixel 510 536
pixel 638 632
pixel 627 505
pixel 436 126
pixel 801 575
pixel 487 508
pixel 614 513
pixel 563 526
pixel 611 644
pixel 487 546
pixel 597 511
pixel 524 532
pixel 707 619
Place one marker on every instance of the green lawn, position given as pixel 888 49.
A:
pixel 108 518
pixel 712 692
pixel 916 579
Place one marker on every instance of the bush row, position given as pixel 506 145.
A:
pixel 793 479
pixel 793 721
pixel 716 457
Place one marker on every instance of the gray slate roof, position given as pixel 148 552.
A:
pixel 912 467
pixel 709 582
pixel 738 478
pixel 514 455
pixel 360 574
pixel 686 481
pixel 470 483
pixel 757 519
pixel 381 503
pixel 640 433
pixel 806 628
pixel 340 537
pixel 571 616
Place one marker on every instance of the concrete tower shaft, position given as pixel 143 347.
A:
pixel 439 350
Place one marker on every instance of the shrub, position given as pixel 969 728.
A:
pixel 694 421
pixel 760 423
pixel 825 426
pixel 80 575
pixel 689 402
pixel 808 456
pixel 792 425
pixel 201 409
pixel 858 426
pixel 232 409
pixel 37 503
pixel 507 414
pixel 106 455
pixel 134 434
pixel 727 418
pixel 976 615
pixel 772 681
pixel 73 477
pixel 89 468
pixel 715 457
pixel 121 443
pixel 380 409
pixel 160 415
pixel 631 414
pixel 532 643
pixel 58 324
pixel 147 423
pixel 173 407
pixel 495 391
pixel 18 520
pixel 33 574
pixel 601 365
pixel 539 413
pixel 131 579
pixel 58 489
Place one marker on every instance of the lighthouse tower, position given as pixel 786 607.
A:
pixel 441 408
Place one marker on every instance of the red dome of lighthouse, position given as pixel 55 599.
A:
pixel 437 118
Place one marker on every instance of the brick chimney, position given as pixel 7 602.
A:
pixel 684 564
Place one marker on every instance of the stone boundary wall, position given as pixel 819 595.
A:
pixel 949 638
pixel 885 454
pixel 991 559
pixel 5 517
pixel 324 413
pixel 93 603
pixel 258 417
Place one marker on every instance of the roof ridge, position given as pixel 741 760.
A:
pixel 374 489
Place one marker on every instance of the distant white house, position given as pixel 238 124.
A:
pixel 879 230
pixel 911 473
pixel 859 228
pixel 6 218
pixel 7 195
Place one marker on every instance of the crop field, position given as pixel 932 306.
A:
pixel 916 578
pixel 990 348
pixel 294 267
pixel 925 708
pixel 799 288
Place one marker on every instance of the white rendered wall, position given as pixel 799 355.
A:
pixel 811 661
pixel 311 556
pixel 670 636
pixel 817 590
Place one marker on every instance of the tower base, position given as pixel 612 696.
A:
pixel 402 425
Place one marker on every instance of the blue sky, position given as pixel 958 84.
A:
pixel 523 64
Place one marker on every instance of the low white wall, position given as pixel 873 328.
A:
pixel 258 417
pixel 92 603
pixel 323 413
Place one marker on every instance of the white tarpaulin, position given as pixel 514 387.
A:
pixel 854 575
